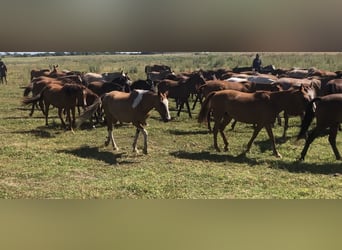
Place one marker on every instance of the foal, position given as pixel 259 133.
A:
pixel 129 107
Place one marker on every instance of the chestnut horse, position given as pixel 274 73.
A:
pixel 64 97
pixel 328 113
pixel 129 107
pixel 260 108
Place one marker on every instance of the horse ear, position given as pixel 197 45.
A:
pixel 163 95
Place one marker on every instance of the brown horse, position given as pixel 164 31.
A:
pixel 328 113
pixel 64 97
pixel 260 108
pixel 129 107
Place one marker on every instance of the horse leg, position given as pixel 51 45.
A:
pixel 73 121
pixel 233 125
pixel 271 136
pixel 208 120
pixel 312 136
pixel 188 107
pixel 332 140
pixel 279 119
pixel 215 131
pixel 286 125
pixel 198 98
pixel 224 123
pixel 32 109
pixel 60 115
pixel 46 113
pixel 255 133
pixel 41 104
pixel 110 137
pixel 135 149
pixel 217 125
pixel 179 105
pixel 144 131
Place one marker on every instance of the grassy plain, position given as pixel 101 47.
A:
pixel 47 162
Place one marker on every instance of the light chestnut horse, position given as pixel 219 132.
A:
pixel 64 97
pixel 328 113
pixel 260 108
pixel 131 107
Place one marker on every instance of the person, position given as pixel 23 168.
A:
pixel 257 63
pixel 3 71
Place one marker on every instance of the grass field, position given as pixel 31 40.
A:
pixel 47 162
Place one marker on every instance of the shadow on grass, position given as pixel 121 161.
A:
pixel 184 132
pixel 50 131
pixel 331 168
pixel 94 153
pixel 205 155
pixel 37 133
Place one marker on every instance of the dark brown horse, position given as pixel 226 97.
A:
pixel 182 89
pixel 129 107
pixel 121 83
pixel 332 87
pixel 260 108
pixel 328 113
pixel 3 72
pixel 64 97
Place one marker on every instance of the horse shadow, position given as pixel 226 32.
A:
pixel 40 133
pixel 183 132
pixel 94 153
pixel 207 156
pixel 333 169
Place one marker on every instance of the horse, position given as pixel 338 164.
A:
pixel 260 108
pixel 129 107
pixel 216 85
pixel 328 113
pixel 332 87
pixel 143 84
pixel 3 73
pixel 64 97
pixel 39 83
pixel 181 90
pixel 157 68
pixel 121 83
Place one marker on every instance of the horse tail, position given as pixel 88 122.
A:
pixel 202 116
pixel 33 99
pixel 308 117
pixel 88 113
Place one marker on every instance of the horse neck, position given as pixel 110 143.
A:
pixel 149 102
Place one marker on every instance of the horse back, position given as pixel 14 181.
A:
pixel 119 106
pixel 329 108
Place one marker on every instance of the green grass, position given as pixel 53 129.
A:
pixel 47 162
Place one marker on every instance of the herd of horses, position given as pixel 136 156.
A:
pixel 241 95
